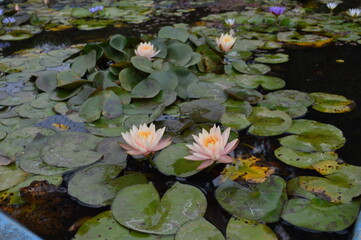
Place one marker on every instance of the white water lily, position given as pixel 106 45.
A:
pixel 332 5
pixel 353 12
pixel 225 42
pixel 230 21
pixel 144 140
pixel 211 147
pixel 146 50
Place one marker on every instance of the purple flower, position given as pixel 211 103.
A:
pixel 9 20
pixel 276 10
pixel 95 9
pixel 1 11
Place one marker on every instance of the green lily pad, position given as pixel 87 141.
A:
pixel 143 64
pixel 11 176
pixel 98 184
pixel 166 79
pixel 258 202
pixel 210 61
pixel 203 110
pixel 27 111
pixel 340 185
pixel 170 161
pixel 179 53
pixel 307 40
pixel 233 105
pixel 242 229
pixel 47 81
pixel 31 162
pixel 292 102
pixel 18 98
pixel 234 120
pixel 104 227
pixel 70 80
pixel 313 136
pixel 267 122
pixel 303 159
pixel 112 152
pixel 272 58
pixel 107 127
pixel 185 78
pixel 331 103
pixel 206 90
pixel 70 150
pixel 129 78
pixel 105 103
pixel 243 67
pixel 139 207
pixel 173 33
pixel 318 214
pixel 147 88
pixel 198 229
pixel 253 81
pixel 243 94
pixel 16 35
pixel 84 63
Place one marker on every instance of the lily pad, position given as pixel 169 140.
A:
pixel 267 82
pixel 318 214
pixel 242 229
pixel 244 94
pixel 112 152
pixel 70 150
pixel 256 202
pixel 206 90
pixel 139 207
pixel 11 176
pixel 272 58
pixel 313 136
pixel 267 122
pixel 198 229
pixel 255 68
pixel 31 162
pixel 98 184
pixel 331 103
pixel 170 161
pixel 173 33
pixel 234 120
pixel 104 227
pixel 203 110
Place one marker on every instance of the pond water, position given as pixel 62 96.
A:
pixel 331 69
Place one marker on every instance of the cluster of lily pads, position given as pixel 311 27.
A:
pixel 66 111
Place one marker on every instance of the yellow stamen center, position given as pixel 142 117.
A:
pixel 146 47
pixel 144 134
pixel 227 39
pixel 210 140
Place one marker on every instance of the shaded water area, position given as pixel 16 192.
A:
pixel 309 70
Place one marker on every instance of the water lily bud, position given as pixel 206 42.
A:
pixel 225 42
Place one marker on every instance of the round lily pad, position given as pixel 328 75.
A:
pixel 18 98
pixel 31 162
pixel 267 82
pixel 198 229
pixel 318 214
pixel 70 149
pixel 203 110
pixel 98 184
pixel 104 227
pixel 234 120
pixel 313 136
pixel 331 103
pixel 11 176
pixel 267 122
pixel 244 94
pixel 139 207
pixel 206 90
pixel 170 161
pixel 256 201
pixel 243 67
pixel 242 229
pixel 112 152
pixel 272 58
pixel 303 159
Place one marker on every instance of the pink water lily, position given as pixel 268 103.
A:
pixel 211 147
pixel 146 50
pixel 144 140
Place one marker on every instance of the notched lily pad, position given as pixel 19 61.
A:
pixel 331 103
pixel 139 207
pixel 242 229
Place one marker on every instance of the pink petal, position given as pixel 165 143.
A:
pixel 230 147
pixel 163 143
pixel 194 158
pixel 126 146
pixel 225 159
pixel 205 164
